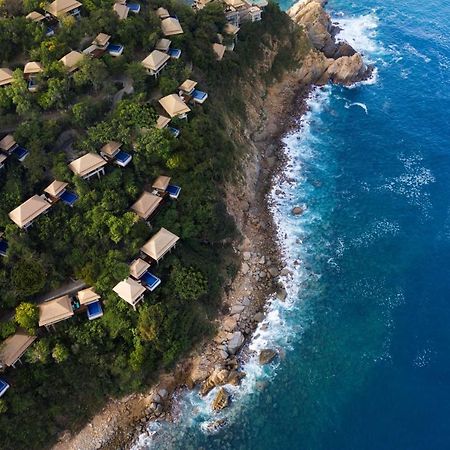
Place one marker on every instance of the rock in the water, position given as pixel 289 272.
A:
pixel 221 401
pixel 282 294
pixel 235 377
pixel 266 356
pixel 235 343
pixel 218 377
pixel 258 317
pixel 297 210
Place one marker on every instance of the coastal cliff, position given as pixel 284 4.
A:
pixel 273 92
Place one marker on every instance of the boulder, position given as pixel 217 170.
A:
pixel 235 377
pixel 235 343
pixel 162 393
pixel 237 309
pixel 221 400
pixel 218 377
pixel 274 272
pixel 246 256
pixel 223 354
pixel 245 268
pixel 258 317
pixel 282 294
pixel 229 324
pixel 266 356
pixel 298 210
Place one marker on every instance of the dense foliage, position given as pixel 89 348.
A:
pixel 69 373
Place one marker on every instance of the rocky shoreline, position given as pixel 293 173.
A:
pixel 217 362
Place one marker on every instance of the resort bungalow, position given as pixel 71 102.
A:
pixel 146 205
pixel 31 70
pixel 111 151
pixel 101 44
pixel 188 89
pixel 139 271
pixel 162 123
pixel 174 105
pixel 162 13
pixel 171 27
pixel 160 244
pixel 121 10
pixel 130 291
pixel 6 76
pixel 254 13
pixel 48 21
pixel 161 186
pixel 219 50
pixel 9 146
pixel 35 16
pixel 72 61
pixel 14 347
pixel 55 311
pixel 91 300
pixel 155 62
pixel 57 191
pixel 28 211
pixel 88 165
pixel 62 8
pixel 163 45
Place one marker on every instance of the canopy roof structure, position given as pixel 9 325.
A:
pixel 162 122
pixel 6 76
pixel 174 105
pixel 163 45
pixel 72 60
pixel 29 210
pixel 121 10
pixel 86 164
pixel 146 205
pixel 160 244
pixel 129 290
pixel 219 50
pixel 188 86
pixel 14 347
pixel 32 67
pixel 55 311
pixel 35 16
pixel 111 148
pixel 60 8
pixel 155 60
pixel 87 296
pixel 138 267
pixel 56 188
pixel 171 26
pixel 101 39
pixel 162 13
pixel 7 142
pixel 161 183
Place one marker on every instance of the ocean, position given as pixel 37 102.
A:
pixel 364 335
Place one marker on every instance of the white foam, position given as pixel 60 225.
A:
pixel 363 106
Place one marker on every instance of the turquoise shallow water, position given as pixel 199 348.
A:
pixel 365 330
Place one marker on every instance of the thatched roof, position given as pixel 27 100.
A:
pixel 171 26
pixel 155 60
pixel 60 8
pixel 146 205
pixel 174 105
pixel 160 244
pixel 55 189
pixel 86 164
pixel 55 310
pixel 29 210
pixel 12 348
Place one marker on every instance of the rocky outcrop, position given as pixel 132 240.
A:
pixel 221 400
pixel 218 377
pixel 329 60
pixel 266 356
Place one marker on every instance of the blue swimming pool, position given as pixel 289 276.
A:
pixel 174 131
pixel 122 158
pixel 3 247
pixel 174 53
pixel 174 191
pixel 134 7
pixel 199 96
pixel 20 153
pixel 115 49
pixel 4 386
pixel 150 281
pixel 94 310
pixel 69 198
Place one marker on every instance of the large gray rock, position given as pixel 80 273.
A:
pixel 235 343
pixel 245 268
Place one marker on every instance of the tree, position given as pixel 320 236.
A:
pixel 137 356
pixel 3 407
pixel 91 72
pixel 55 95
pixel 27 316
pixel 60 353
pixel 19 93
pixel 189 283
pixel 149 322
pixel 28 278
pixel 167 85
pixel 137 73
pixel 40 352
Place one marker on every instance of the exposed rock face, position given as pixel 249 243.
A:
pixel 221 401
pixel 329 60
pixel 218 377
pixel 266 356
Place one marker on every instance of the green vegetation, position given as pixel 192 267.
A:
pixel 69 373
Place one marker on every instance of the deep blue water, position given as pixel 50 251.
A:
pixel 366 327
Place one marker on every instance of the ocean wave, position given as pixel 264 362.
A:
pixel 363 106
